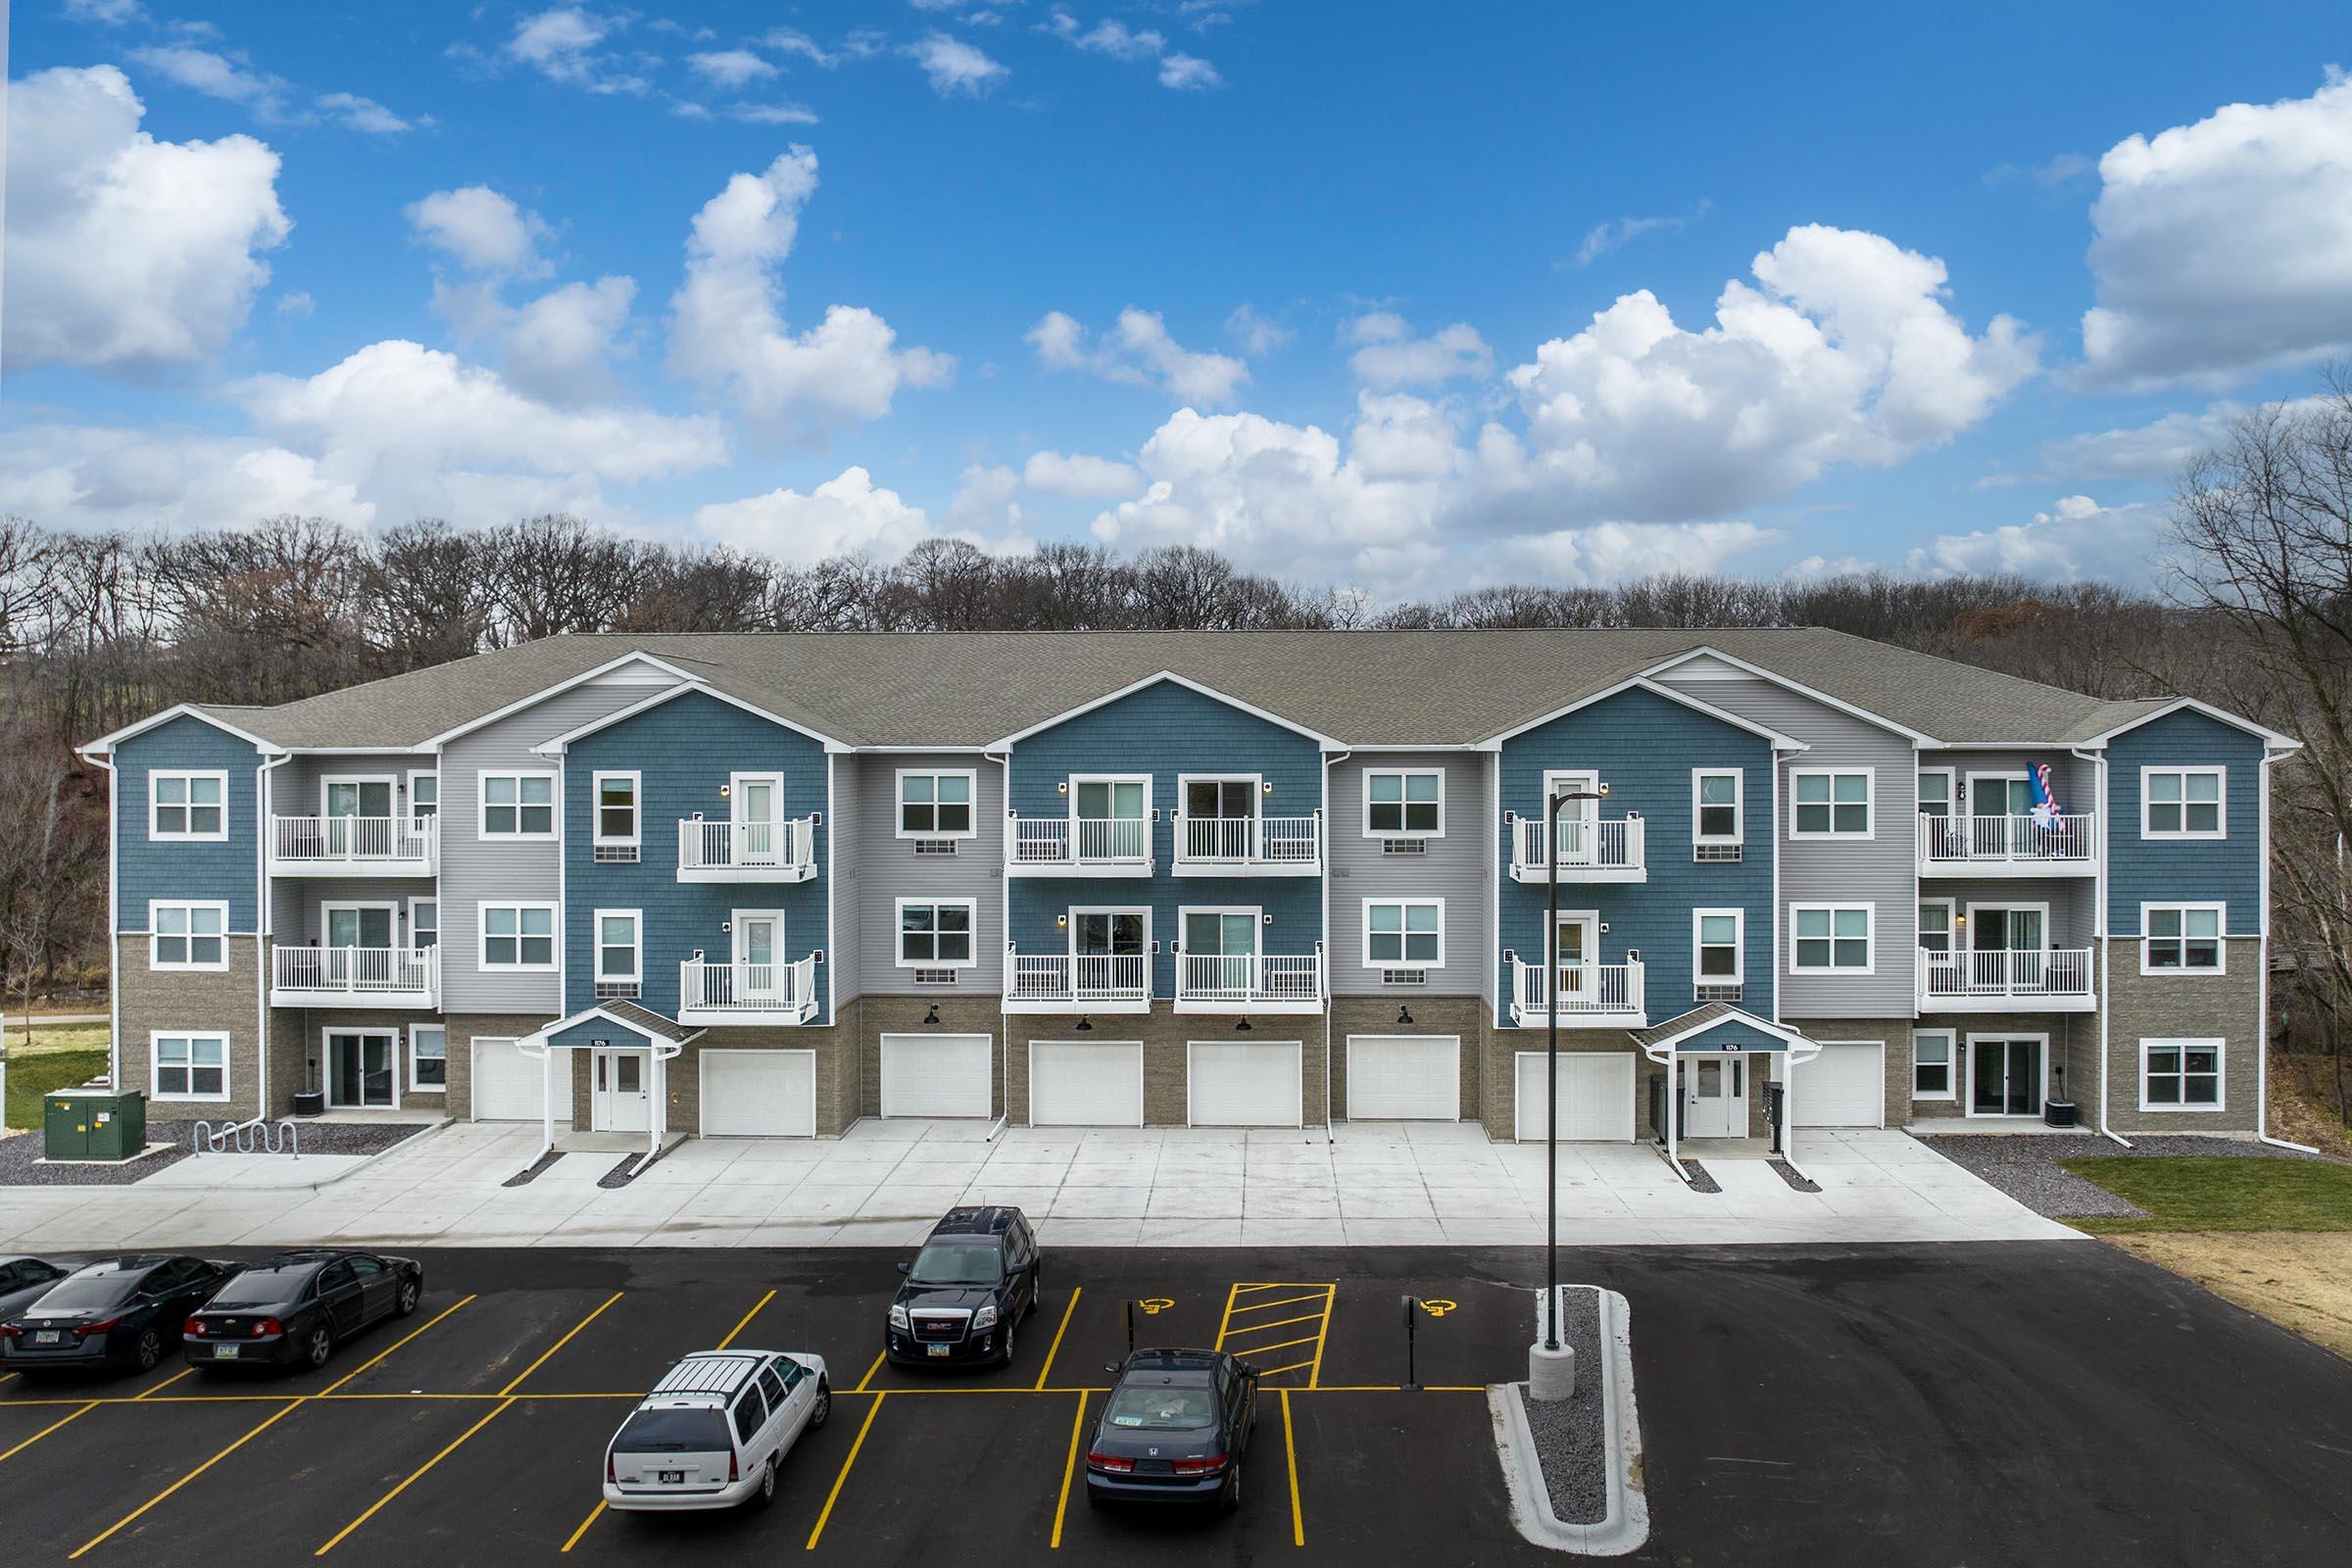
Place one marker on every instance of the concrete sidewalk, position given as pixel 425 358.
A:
pixel 883 1184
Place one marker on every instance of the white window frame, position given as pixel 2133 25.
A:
pixel 898 930
pixel 1739 832
pixel 1145 779
pixel 1150 947
pixel 597 945
pixel 2221 937
pixel 597 837
pixel 390 907
pixel 154 959
pixel 155 1064
pixel 1404 935
pixel 390 782
pixel 555 806
pixel 1953 928
pixel 481 938
pixel 1951 791
pixel 433 899
pixel 413 1086
pixel 1870 936
pixel 2003 905
pixel 432 775
pixel 1870 802
pixel 1257 924
pixel 971 780
pixel 188 775
pixel 1951 1063
pixel 1438 773
pixel 1738 974
pixel 2184 833
pixel 2184 1045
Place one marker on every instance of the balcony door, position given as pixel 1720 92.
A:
pixel 1109 949
pixel 359 936
pixel 2008 946
pixel 758 942
pixel 1220 948
pixel 342 801
pixel 2006 1075
pixel 755 807
pixel 359 1067
pixel 1579 820
pixel 1113 817
pixel 1576 958
pixel 2003 806
pixel 1219 815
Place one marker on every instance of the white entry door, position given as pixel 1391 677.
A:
pixel 1715 1097
pixel 1405 1078
pixel 1597 1095
pixel 1232 1085
pixel 1074 1085
pixel 755 803
pixel 759 938
pixel 938 1075
pixel 620 1099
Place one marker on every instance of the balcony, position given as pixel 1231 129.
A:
pixel 2008 846
pixel 2026 980
pixel 1592 996
pixel 1257 982
pixel 1249 846
pixel 1090 846
pixel 376 977
pixel 747 993
pixel 719 851
pixel 354 846
pixel 1590 851
pixel 1063 982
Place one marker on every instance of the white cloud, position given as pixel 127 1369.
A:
pixel 729 328
pixel 363 114
pixel 1108 36
pixel 2156 450
pixel 731 68
pixel 1185 74
pixel 772 113
pixel 792 42
pixel 295 307
pixel 559 42
pixel 216 76
pixel 125 253
pixel 481 230
pixel 844 515
pixel 92 477
pixel 106 12
pixel 1617 552
pixel 1618 232
pixel 956 66
pixel 1139 352
pixel 1846 354
pixel 1055 473
pixel 558 347
pixel 2076 540
pixel 2226 246
pixel 1256 332
pixel 1392 357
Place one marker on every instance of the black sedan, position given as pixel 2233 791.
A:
pixel 293 1310
pixel 1174 1430
pixel 122 1313
pixel 25 1280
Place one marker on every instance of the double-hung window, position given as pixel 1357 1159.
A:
pixel 1831 802
pixel 424 796
pixel 935 805
pixel 1830 939
pixel 518 805
pixel 619 962
pixel 2180 938
pixel 188 936
pixel 424 924
pixel 2180 803
pixel 1932 1064
pixel 518 935
pixel 1402 803
pixel 429 1059
pixel 188 1064
pixel 1404 933
pixel 615 833
pixel 935 933
pixel 1716 941
pixel 1716 818
pixel 187 808
pixel 2180 1075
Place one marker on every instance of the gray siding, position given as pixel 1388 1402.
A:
pixel 2073 899
pixel 889 870
pixel 1883 870
pixel 845 826
pixel 473 872
pixel 294 788
pixel 2075 780
pixel 1456 868
pixel 295 903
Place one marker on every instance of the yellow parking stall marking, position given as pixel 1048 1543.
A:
pixel 745 1321
pixel 559 1343
pixel 1238 1330
pixel 183 1372
pixel 378 1359
pixel 842 1480
pixel 1315 1294
pixel 1286 1344
pixel 869 1372
pixel 1069 1468
pixel 1329 1306
pixel 51 1427
pixel 1280 1322
pixel 1290 1455
pixel 1294 1366
pixel 594 1514
pixel 1053 1349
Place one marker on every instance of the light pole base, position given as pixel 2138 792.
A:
pixel 1550 1374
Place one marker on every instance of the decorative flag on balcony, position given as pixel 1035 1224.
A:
pixel 2046 802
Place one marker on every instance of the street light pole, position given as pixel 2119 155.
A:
pixel 1552 1052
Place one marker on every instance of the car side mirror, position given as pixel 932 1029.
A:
pixel 1248 1370
pixel 1110 1366
pixel 904 1265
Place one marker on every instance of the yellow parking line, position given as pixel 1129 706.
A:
pixel 1069 1469
pixel 1278 1323
pixel 744 1323
pixel 45 1431
pixel 378 1359
pixel 183 1372
pixel 1290 1455
pixel 842 1480
pixel 1055 1348
pixel 1330 1305
pixel 1294 1366
pixel 869 1372
pixel 1267 1350
pixel 134 1513
pixel 1267 1307
pixel 559 1343
pixel 594 1514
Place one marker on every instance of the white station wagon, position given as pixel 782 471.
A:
pixel 715 1430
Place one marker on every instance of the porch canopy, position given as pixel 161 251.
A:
pixel 1719 1027
pixel 616 1025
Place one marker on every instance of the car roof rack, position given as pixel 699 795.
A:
pixel 976 1219
pixel 712 1372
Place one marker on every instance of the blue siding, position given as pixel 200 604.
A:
pixel 1643 746
pixel 1166 730
pixel 147 870
pixel 604 1029
pixel 1732 1034
pixel 2152 871
pixel 685 749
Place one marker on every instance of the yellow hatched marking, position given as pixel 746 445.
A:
pixel 1294 1366
pixel 1290 1455
pixel 843 1479
pixel 1053 1349
pixel 1229 1331
pixel 1282 1344
pixel 1330 1305
pixel 1278 1323
pixel 1069 1468
pixel 1289 1300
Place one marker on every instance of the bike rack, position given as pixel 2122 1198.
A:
pixel 260 1136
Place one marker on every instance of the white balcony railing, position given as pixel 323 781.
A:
pixel 1224 845
pixel 716 850
pixel 1992 844
pixel 1117 845
pixel 353 843
pixel 1077 980
pixel 1590 851
pixel 2022 975
pixel 711 992
pixel 358 972
pixel 1242 982
pixel 1586 992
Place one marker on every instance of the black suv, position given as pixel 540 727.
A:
pixel 975 1278
pixel 295 1308
pixel 121 1312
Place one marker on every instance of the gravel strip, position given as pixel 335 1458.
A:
pixel 1788 1173
pixel 2025 1166
pixel 1572 1440
pixel 1700 1181
pixel 20 1156
pixel 524 1178
pixel 618 1175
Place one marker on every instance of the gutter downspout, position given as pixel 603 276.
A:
pixel 1004 762
pixel 2262 1016
pixel 2105 938
pixel 1323 854
pixel 114 916
pixel 264 928
pixel 1672 1099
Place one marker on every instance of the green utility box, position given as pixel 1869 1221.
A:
pixel 94 1124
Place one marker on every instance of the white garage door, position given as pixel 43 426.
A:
pixel 1405 1078
pixel 937 1075
pixel 508 1085
pixel 1846 1086
pixel 1230 1085
pixel 1072 1085
pixel 758 1094
pixel 1596 1097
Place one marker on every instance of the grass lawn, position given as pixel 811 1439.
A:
pixel 2222 1193
pixel 58 1037
pixel 30 1077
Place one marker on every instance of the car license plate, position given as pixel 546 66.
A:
pixel 224 1353
pixel 49 1337
pixel 672 1478
pixel 937 1350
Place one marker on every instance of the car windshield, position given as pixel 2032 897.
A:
pixel 259 1287
pixel 83 1292
pixel 1166 1407
pixel 673 1431
pixel 959 1262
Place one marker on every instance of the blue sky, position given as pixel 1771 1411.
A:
pixel 1356 294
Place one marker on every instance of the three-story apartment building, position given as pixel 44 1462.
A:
pixel 766 884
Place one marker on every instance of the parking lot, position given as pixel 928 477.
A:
pixel 1995 1404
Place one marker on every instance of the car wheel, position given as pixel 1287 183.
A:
pixel 149 1350
pixel 767 1486
pixel 409 1292
pixel 822 1411
pixel 1096 1499
pixel 1008 1333
pixel 318 1348
pixel 1232 1499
